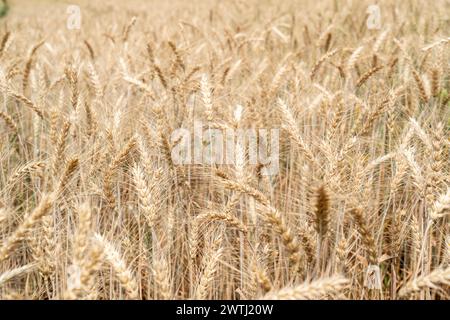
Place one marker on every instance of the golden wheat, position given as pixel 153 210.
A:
pixel 96 204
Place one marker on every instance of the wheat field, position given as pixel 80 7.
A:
pixel 93 205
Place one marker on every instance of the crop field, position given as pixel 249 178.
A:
pixel 230 149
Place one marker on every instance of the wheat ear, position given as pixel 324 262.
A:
pixel 9 121
pixel 366 235
pixel 161 275
pixel 441 207
pixel 145 196
pixel 114 165
pixel 26 226
pixel 228 218
pixel 319 62
pixel 86 258
pixel 207 276
pixel 4 41
pixel 432 280
pixel 21 171
pixel 272 216
pixel 293 131
pixel 322 212
pixel 321 288
pixel 27 102
pixel 7 275
pixel 118 264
